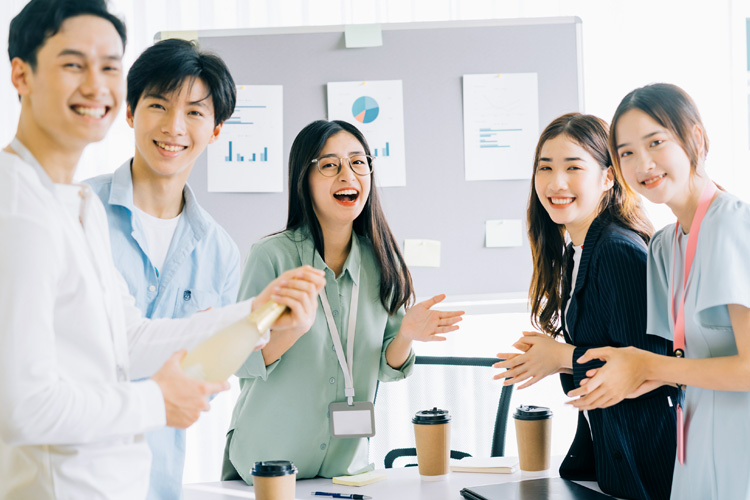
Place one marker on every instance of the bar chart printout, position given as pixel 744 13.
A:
pixel 501 125
pixel 247 157
pixel 239 158
pixel 376 108
pixel 383 151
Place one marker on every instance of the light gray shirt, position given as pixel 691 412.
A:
pixel 717 422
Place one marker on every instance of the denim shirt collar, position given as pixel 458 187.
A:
pixel 121 194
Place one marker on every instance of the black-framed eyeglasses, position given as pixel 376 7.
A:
pixel 330 165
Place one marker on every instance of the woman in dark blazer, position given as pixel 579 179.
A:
pixel 593 292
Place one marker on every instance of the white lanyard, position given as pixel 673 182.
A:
pixel 347 368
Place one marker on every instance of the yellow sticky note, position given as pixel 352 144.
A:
pixel 422 253
pixel 363 35
pixel 503 233
pixel 360 479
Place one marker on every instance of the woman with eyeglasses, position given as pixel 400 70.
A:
pixel 362 332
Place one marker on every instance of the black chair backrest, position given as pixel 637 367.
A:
pixel 449 382
pixel 503 404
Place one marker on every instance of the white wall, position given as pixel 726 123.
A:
pixel 696 44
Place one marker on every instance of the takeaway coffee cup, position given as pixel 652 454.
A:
pixel 432 431
pixel 534 434
pixel 274 480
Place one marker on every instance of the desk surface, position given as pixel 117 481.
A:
pixel 402 483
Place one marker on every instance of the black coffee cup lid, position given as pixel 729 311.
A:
pixel 432 417
pixel 528 412
pixel 273 468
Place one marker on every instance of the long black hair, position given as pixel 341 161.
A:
pixel 619 204
pixel 396 288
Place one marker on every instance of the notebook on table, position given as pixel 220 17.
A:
pixel 555 488
pixel 492 465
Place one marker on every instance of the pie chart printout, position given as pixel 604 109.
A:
pixel 365 109
pixel 376 108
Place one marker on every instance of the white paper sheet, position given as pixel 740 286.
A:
pixel 248 157
pixel 376 108
pixel 422 253
pixel 501 125
pixel 503 233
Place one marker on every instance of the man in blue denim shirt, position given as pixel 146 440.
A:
pixel 176 259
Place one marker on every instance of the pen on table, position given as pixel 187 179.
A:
pixel 353 496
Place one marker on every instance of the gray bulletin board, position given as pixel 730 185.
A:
pixel 430 58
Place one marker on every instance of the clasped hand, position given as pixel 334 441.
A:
pixel 541 356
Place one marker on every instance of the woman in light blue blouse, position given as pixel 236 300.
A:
pixel 336 224
pixel 698 296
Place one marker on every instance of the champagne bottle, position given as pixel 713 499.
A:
pixel 222 354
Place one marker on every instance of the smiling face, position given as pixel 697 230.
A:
pixel 570 183
pixel 652 160
pixel 172 130
pixel 73 94
pixel 339 199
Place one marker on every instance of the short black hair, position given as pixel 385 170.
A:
pixel 165 66
pixel 41 19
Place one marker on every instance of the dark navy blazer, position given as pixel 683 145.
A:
pixel 632 453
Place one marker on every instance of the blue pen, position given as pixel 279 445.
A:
pixel 353 496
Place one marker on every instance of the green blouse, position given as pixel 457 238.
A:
pixel 282 410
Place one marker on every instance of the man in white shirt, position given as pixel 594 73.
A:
pixel 71 338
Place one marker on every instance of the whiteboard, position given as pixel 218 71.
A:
pixel 437 202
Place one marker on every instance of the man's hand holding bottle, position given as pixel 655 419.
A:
pixel 295 292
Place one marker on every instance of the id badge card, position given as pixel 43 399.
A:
pixel 352 421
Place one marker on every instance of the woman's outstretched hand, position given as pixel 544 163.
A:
pixel 424 324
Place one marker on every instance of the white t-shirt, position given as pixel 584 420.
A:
pixel 159 233
pixel 577 252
